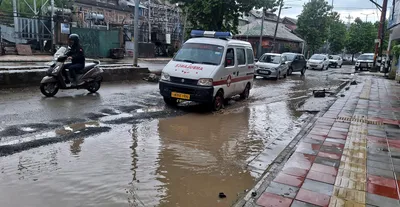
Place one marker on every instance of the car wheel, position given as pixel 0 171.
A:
pixel 303 71
pixel 340 66
pixel 290 71
pixel 218 102
pixel 285 75
pixel 323 67
pixel 278 76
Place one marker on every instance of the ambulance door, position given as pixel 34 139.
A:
pixel 229 72
pixel 239 75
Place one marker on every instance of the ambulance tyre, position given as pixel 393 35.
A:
pixel 245 94
pixel 218 102
pixel 170 101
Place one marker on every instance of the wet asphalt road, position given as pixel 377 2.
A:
pixel 124 147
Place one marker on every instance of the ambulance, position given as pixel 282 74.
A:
pixel 209 68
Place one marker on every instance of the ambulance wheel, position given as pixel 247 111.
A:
pixel 218 102
pixel 245 94
pixel 171 101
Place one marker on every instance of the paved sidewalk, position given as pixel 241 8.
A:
pixel 351 157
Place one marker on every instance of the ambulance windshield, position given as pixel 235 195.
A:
pixel 200 54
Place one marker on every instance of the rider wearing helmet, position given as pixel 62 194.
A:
pixel 76 55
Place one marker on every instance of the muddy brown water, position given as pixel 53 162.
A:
pixel 177 161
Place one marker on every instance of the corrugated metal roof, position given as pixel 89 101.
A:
pixel 283 33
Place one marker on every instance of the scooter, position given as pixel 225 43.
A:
pixel 88 78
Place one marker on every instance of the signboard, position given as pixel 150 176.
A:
pixel 65 28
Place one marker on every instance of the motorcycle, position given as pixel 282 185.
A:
pixel 88 78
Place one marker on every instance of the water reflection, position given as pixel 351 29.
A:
pixel 75 147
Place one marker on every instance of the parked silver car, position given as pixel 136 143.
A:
pixel 271 65
pixel 318 61
pixel 365 61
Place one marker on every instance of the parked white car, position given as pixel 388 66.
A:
pixel 271 65
pixel 318 61
pixel 335 61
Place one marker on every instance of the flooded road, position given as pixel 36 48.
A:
pixel 124 147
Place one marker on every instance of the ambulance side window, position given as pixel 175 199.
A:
pixel 241 56
pixel 230 58
pixel 250 56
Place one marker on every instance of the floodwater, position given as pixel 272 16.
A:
pixel 150 155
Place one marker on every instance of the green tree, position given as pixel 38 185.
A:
pixel 337 34
pixel 361 37
pixel 313 23
pixel 220 15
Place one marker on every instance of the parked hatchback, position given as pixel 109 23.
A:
pixel 318 61
pixel 296 63
pixel 271 65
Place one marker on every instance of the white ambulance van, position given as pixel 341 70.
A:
pixel 209 68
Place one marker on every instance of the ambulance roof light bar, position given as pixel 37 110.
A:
pixel 201 33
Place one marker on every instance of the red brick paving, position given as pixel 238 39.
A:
pixel 313 197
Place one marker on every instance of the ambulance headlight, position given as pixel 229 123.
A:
pixel 205 82
pixel 165 76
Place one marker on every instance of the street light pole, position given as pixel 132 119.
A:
pixel 136 35
pixel 276 26
pixel 261 33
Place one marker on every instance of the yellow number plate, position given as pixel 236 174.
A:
pixel 180 95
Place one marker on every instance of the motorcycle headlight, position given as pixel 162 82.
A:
pixel 56 69
pixel 205 82
pixel 165 76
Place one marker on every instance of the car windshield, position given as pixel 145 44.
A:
pixel 290 57
pixel 366 57
pixel 317 57
pixel 200 53
pixel 334 57
pixel 275 59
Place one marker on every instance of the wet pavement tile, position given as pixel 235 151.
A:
pixel 315 198
pixel 382 191
pixel 296 156
pixel 327 161
pixel 297 203
pixel 379 158
pixel 324 169
pixel 319 131
pixel 337 134
pixel 317 137
pixel 380 172
pixel 335 150
pixel 312 141
pixel 384 151
pixel 289 180
pixel 273 200
pixel 317 186
pixel 282 190
pixel 396 161
pixel 341 125
pixel 323 126
pixel 374 139
pixel 321 177
pixel 340 141
pixel 333 144
pixel 340 129
pixel 329 155
pixel 377 180
pixel 380 165
pixel 376 133
pixel 295 171
pixel 378 200
pixel 308 148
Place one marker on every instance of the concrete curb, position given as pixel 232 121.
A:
pixel 16 78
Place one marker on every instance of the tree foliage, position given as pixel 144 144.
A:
pixel 312 24
pixel 219 15
pixel 361 37
pixel 337 34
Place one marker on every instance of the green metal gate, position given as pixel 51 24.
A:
pixel 97 43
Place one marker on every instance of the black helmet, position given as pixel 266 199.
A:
pixel 74 37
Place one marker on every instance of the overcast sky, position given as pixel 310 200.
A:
pixel 354 8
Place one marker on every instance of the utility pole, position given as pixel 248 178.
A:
pixel 184 28
pixel 15 14
pixel 381 33
pixel 261 33
pixel 53 37
pixel 135 35
pixel 276 26
pixel 149 21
